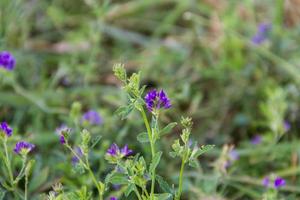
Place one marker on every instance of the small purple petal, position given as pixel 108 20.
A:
pixel 6 129
pixel 22 145
pixel 279 182
pixel 125 151
pixel 261 34
pixel 256 140
pixel 92 117
pixel 114 150
pixel 287 126
pixel 234 155
pixel 62 139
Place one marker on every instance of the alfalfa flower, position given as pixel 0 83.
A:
pixel 287 126
pixel 63 131
pixel 157 100
pixel 23 147
pixel 262 33
pixel 279 182
pixel 92 117
pixel 7 60
pixel 4 127
pixel 113 198
pixel 115 151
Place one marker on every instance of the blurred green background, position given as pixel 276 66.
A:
pixel 199 52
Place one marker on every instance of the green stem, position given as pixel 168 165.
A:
pixel 26 186
pixel 137 193
pixel 152 150
pixel 96 183
pixel 7 162
pixel 180 180
pixel 87 167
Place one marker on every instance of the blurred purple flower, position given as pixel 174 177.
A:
pixel 62 129
pixel 256 140
pixel 234 155
pixel 23 146
pixel 115 151
pixel 113 198
pixel 262 33
pixel 62 139
pixel 6 129
pixel 279 182
pixel 157 100
pixel 79 154
pixel 92 117
pixel 286 126
pixel 266 181
pixel 7 60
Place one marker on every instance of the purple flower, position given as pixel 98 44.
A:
pixel 62 129
pixel 262 33
pixel 113 198
pixel 256 140
pixel 115 151
pixel 234 155
pixel 286 126
pixel 266 181
pixel 79 154
pixel 125 151
pixel 62 139
pixel 92 117
pixel 6 129
pixel 7 60
pixel 157 100
pixel 279 182
pixel 23 147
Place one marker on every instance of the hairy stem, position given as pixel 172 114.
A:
pixel 180 180
pixel 152 150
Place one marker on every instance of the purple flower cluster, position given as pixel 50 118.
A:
pixel 157 100
pixel 5 129
pixel 113 198
pixel 23 146
pixel 278 182
pixel 115 151
pixel 7 60
pixel 92 117
pixel 262 33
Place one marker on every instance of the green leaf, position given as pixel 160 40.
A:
pixel 142 137
pixel 95 141
pixel 164 185
pixel 118 178
pixel 39 178
pixel 129 189
pixel 124 111
pixel 155 161
pixel 167 129
pixel 2 194
pixel 203 149
pixel 163 196
pixel 193 163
